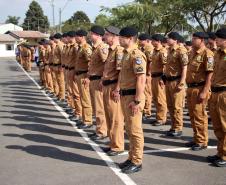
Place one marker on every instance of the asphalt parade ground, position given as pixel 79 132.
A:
pixel 40 146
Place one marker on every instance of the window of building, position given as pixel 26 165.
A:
pixel 9 47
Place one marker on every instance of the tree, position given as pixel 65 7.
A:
pixel 35 18
pixel 79 20
pixel 102 20
pixel 13 20
pixel 206 13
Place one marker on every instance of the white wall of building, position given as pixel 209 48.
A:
pixel 9 27
pixel 7 53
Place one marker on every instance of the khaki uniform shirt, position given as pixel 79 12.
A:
pixel 177 58
pixel 83 57
pixel 57 53
pixel 200 62
pixel 98 58
pixel 219 72
pixel 113 63
pixel 133 63
pixel 148 51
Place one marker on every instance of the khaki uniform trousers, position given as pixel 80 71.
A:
pixel 159 98
pixel 198 115
pixel 60 82
pixel 133 125
pixel 218 115
pixel 74 93
pixel 68 89
pixel 114 119
pixel 175 100
pixel 85 99
pixel 97 101
pixel 148 96
pixel 48 78
pixel 55 84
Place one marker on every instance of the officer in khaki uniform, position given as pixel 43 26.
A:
pixel 72 84
pixel 51 65
pixel 47 71
pixel 26 57
pixel 212 45
pixel 188 46
pixel 110 87
pixel 132 84
pixel 158 61
pixel 96 68
pixel 58 70
pixel 41 63
pixel 217 103
pixel 147 48
pixel 83 57
pixel 175 75
pixel 199 73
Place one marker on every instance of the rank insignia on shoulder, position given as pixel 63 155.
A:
pixel 198 58
pixel 210 60
pixel 105 50
pixel 138 61
pixel 140 69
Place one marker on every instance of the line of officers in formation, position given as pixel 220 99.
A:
pixel 117 76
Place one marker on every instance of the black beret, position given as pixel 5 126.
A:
pixel 201 35
pixel 81 33
pixel 51 38
pixel 71 34
pixel 45 42
pixel 164 40
pixel 188 43
pixel 128 31
pixel 212 35
pixel 181 39
pixel 98 30
pixel 158 37
pixel 57 36
pixel 144 36
pixel 64 34
pixel 113 30
pixel 221 33
pixel 174 36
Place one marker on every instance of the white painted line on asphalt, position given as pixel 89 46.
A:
pixel 169 150
pixel 125 178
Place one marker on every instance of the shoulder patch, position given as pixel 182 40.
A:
pixel 138 60
pixel 140 69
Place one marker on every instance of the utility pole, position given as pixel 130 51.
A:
pixel 53 9
pixel 60 15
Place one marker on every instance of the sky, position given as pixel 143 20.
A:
pixel 91 8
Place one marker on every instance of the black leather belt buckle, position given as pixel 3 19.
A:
pixel 172 78
pixel 218 89
pixel 192 85
pixel 95 77
pixel 71 68
pixel 128 92
pixel 80 72
pixel 109 82
pixel 155 75
pixel 66 67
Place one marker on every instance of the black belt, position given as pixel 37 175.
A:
pixel 66 67
pixel 50 64
pixel 63 66
pixel 95 77
pixel 109 82
pixel 172 78
pixel 80 72
pixel 128 92
pixel 155 75
pixel 218 89
pixel 46 64
pixel 56 64
pixel 71 68
pixel 191 85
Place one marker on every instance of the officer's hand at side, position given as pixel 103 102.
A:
pixel 86 82
pixel 101 86
pixel 202 97
pixel 134 108
pixel 115 95
pixel 161 83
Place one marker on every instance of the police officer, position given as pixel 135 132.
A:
pixel 132 85
pixel 147 48
pixel 58 70
pixel 199 73
pixel 96 68
pixel 110 86
pixel 188 46
pixel 83 58
pixel 217 103
pixel 212 45
pixel 158 61
pixel 175 75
